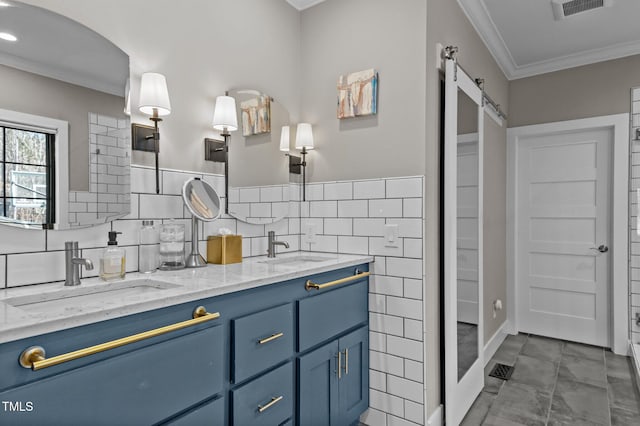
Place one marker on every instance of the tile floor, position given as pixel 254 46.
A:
pixel 557 383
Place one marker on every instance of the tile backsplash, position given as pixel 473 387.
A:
pixel 347 217
pixel 634 205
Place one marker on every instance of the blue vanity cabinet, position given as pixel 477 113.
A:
pixel 334 381
pixel 143 384
pixel 270 358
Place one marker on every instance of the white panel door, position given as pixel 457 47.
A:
pixel 563 190
pixel 468 255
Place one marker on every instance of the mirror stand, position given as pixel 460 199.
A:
pixel 195 259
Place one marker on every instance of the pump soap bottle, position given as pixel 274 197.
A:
pixel 113 260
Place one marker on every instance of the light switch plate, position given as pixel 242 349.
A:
pixel 391 235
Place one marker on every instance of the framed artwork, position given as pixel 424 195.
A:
pixel 358 94
pixel 256 115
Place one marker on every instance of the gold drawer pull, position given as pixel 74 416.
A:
pixel 311 285
pixel 270 404
pixel 35 356
pixel 270 338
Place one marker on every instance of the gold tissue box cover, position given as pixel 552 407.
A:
pixel 224 249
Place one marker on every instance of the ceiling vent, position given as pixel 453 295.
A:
pixel 563 9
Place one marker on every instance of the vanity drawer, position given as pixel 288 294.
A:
pixel 143 386
pixel 261 340
pixel 328 314
pixel 211 413
pixel 271 393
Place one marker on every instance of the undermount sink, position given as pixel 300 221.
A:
pixel 296 259
pixel 74 298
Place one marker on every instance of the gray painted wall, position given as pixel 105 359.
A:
pixel 447 24
pixel 340 37
pixel 33 94
pixel 203 47
pixel 587 91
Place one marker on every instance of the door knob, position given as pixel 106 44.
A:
pixel 602 248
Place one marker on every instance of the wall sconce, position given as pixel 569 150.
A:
pixel 304 142
pixel 154 101
pixel 225 119
pixel 294 162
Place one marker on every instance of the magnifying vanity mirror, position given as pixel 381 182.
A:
pixel 64 135
pixel 204 204
pixel 258 171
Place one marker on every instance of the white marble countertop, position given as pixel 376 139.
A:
pixel 94 301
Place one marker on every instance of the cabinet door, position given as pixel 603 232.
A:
pixel 141 387
pixel 318 387
pixel 211 413
pixel 354 380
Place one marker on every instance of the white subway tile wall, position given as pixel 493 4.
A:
pixel 634 238
pixel 348 217
pixel 357 226
pixel 20 249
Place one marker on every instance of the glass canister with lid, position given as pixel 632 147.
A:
pixel 171 246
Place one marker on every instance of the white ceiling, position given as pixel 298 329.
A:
pixel 57 47
pixel 525 39
pixel 303 4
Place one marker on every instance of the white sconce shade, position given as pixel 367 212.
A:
pixel 154 94
pixel 304 136
pixel 284 139
pixel 224 116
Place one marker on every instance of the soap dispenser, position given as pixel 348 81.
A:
pixel 113 260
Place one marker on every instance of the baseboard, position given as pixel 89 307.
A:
pixel 436 417
pixel 635 358
pixel 496 340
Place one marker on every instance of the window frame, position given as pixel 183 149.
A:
pixel 60 171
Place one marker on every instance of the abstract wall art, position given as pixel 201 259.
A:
pixel 358 94
pixel 256 115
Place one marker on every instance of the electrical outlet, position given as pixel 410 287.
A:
pixel 310 233
pixel 391 235
pixel 497 306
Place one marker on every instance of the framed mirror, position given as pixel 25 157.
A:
pixel 64 134
pixel 258 171
pixel 462 241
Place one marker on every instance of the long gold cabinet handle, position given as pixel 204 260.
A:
pixel 34 357
pixel 346 362
pixel 309 285
pixel 274 401
pixel 270 338
pixel 339 355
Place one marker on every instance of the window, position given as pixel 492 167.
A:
pixel 27 175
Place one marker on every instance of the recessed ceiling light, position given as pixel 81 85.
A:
pixel 8 37
pixel 4 4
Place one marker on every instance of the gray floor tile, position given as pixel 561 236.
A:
pixel 594 353
pixel 479 409
pixel 573 401
pixel 573 422
pixel 538 373
pixel 623 393
pixel 618 365
pixel 510 349
pixel 620 417
pixel 583 370
pixel 518 403
pixel 543 348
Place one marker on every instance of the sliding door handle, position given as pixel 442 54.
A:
pixel 602 248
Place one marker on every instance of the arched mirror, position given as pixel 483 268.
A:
pixel 64 135
pixel 462 193
pixel 258 170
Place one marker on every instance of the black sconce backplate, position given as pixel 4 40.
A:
pixel 142 138
pixel 214 150
pixel 295 165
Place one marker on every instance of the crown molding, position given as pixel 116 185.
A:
pixel 477 13
pixel 304 4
